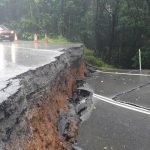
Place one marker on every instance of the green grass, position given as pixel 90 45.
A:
pixel 57 39
pixel 91 58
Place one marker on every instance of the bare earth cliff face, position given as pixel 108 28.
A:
pixel 28 119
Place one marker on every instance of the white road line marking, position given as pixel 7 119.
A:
pixel 123 105
pixel 28 48
pixel 130 74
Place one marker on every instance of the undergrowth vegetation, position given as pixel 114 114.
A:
pixel 91 58
pixel 57 39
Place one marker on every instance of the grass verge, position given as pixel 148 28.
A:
pixel 57 39
pixel 91 58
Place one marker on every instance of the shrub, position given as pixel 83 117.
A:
pixel 91 58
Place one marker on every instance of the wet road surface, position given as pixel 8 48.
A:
pixel 23 56
pixel 110 126
pixel 20 57
pixel 114 128
pixel 123 87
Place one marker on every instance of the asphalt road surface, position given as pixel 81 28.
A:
pixel 17 58
pixel 113 125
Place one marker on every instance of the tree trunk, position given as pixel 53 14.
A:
pixel 113 30
pixel 148 2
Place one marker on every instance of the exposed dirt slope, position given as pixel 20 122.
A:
pixel 44 117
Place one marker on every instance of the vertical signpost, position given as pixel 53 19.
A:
pixel 140 63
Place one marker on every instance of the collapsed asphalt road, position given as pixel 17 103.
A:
pixel 114 126
pixel 35 82
pixel 110 126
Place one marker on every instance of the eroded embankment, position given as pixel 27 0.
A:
pixel 28 119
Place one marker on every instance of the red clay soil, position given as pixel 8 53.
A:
pixel 43 118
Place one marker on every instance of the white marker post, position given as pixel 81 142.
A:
pixel 140 63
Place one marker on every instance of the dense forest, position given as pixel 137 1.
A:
pixel 114 29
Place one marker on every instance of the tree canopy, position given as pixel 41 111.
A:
pixel 114 29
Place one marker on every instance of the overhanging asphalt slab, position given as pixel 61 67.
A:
pixel 20 57
pixel 16 58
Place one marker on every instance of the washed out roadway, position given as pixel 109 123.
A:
pixel 113 127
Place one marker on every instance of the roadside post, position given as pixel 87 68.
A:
pixel 140 63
